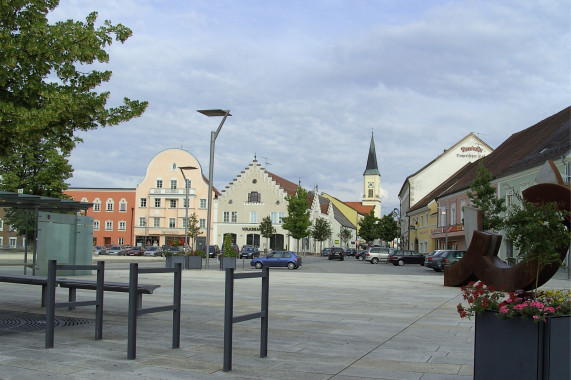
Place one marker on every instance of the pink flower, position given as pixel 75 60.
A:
pixel 535 317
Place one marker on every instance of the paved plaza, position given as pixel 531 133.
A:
pixel 321 326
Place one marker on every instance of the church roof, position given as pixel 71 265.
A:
pixel 372 167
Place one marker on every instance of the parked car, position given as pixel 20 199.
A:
pixel 376 254
pixel 174 250
pixel 115 250
pixel 337 253
pixel 277 259
pixel 249 253
pixel 442 258
pixel 153 250
pixel 350 252
pixel 401 257
pixel 135 251
pixel 100 250
pixel 361 255
pixel 325 251
pixel 213 250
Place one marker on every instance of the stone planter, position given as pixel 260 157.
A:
pixel 227 262
pixel 194 262
pixel 172 260
pixel 521 349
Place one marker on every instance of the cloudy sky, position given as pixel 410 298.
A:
pixel 308 81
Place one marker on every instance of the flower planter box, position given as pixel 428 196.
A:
pixel 521 349
pixel 194 262
pixel 171 261
pixel 227 262
pixel 187 262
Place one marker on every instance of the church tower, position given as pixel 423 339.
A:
pixel 372 181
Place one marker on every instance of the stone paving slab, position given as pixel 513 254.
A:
pixel 321 326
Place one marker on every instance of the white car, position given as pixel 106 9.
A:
pixel 376 254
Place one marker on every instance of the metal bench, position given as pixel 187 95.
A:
pixel 74 284
pixel 29 280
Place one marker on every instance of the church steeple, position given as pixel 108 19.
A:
pixel 372 167
pixel 372 181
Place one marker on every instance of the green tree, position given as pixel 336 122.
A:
pixel 368 227
pixel 483 196
pixel 345 235
pixel 228 251
pixel 47 87
pixel 297 222
pixel 388 228
pixel 321 230
pixel 193 228
pixel 267 229
pixel 539 232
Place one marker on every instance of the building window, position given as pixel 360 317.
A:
pixel 13 242
pixel 274 217
pixel 173 184
pixel 109 225
pixel 172 222
pixel 156 222
pixel 370 193
pixel 234 216
pixel 1 225
pixel 97 204
pixel 1 242
pixel 453 214
pixel 253 217
pixel 96 225
pixel 203 203
pixel 142 221
pixel 172 203
pixel 188 183
pixel 159 183
pixel 226 216
pixel 462 205
pixel 120 241
pixel 202 223
pixel 122 226
pixel 422 221
pixel 254 197
pixel 157 202
pixel 109 205
pixel 143 202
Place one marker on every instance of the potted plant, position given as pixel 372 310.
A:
pixel 174 254
pixel 519 334
pixel 524 334
pixel 194 259
pixel 228 258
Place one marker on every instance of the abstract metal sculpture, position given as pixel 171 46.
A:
pixel 481 261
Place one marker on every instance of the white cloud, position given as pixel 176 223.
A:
pixel 308 82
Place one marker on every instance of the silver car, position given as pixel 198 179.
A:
pixel 115 250
pixel 376 254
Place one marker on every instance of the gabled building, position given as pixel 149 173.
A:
pixel 416 186
pixel 372 181
pixel 253 195
pixel 514 166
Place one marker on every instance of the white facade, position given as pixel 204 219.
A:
pixel 246 201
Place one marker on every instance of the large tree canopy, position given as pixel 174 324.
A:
pixel 47 90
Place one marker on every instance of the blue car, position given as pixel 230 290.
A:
pixel 277 259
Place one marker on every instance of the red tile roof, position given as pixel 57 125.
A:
pixel 360 208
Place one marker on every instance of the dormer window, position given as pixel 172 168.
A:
pixel 254 197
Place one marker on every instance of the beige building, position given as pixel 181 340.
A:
pixel 160 202
pixel 253 195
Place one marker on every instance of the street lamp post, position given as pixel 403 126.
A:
pixel 213 135
pixel 182 169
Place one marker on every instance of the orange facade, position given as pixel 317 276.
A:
pixel 113 213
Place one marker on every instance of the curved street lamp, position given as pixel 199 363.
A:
pixel 213 135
